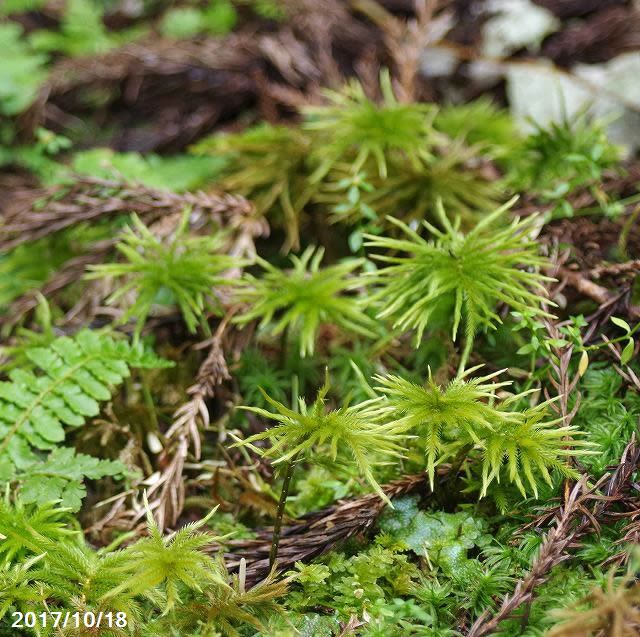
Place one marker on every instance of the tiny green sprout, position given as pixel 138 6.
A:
pixel 467 414
pixel 184 270
pixel 356 129
pixel 464 275
pixel 305 297
pixel 315 429
pixel 629 348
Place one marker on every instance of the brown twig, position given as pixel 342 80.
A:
pixel 573 519
pixel 90 199
pixel 405 41
pixel 585 286
pixel 560 379
pixel 318 533
pixel 615 269
pixel 166 495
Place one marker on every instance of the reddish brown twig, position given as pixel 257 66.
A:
pixel 573 519
pixel 560 379
pixel 317 533
pixel 46 211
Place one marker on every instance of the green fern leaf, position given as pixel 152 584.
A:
pixel 68 381
pixel 60 477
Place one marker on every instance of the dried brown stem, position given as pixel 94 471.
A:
pixel 318 533
pixel 560 379
pixel 90 199
pixel 169 93
pixel 616 269
pixel 585 286
pixel 166 495
pixel 405 41
pixel 573 519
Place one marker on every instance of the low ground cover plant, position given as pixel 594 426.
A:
pixel 332 357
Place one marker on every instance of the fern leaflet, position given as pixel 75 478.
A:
pixel 68 381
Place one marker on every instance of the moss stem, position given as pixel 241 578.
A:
pixel 277 527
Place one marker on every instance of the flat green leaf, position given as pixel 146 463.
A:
pixel 627 352
pixel 621 323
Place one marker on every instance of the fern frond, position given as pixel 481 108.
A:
pixel 61 477
pixel 69 380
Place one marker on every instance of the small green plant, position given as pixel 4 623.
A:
pixel 62 387
pixel 480 123
pixel 23 524
pixel 268 165
pixel 355 129
pixel 443 538
pixel 463 275
pixel 567 154
pixel 630 345
pixel 416 189
pixel 183 271
pixel 301 299
pixel 255 372
pixel 158 581
pixel 356 583
pixel 218 17
pixel 465 502
pixel 172 562
pixel 39 157
pixel 176 173
pixel 609 413
pixel 24 267
pixel 22 71
pixel 82 31
pixel 224 608
pixel 314 429
pixel 451 421
pixel 20 6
